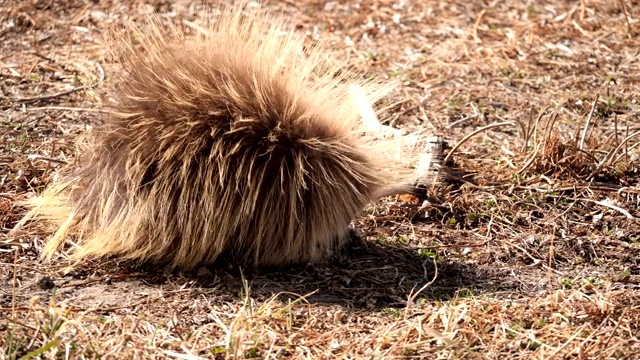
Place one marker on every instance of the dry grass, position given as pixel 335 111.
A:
pixel 533 252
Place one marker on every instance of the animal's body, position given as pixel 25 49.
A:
pixel 236 140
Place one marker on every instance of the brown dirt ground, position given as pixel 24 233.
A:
pixel 536 255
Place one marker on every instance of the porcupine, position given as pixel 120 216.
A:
pixel 235 139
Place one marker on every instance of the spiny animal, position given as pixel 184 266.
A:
pixel 235 139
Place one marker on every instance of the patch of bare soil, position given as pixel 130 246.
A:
pixel 533 252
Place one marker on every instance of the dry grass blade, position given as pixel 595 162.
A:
pixel 589 117
pixel 472 134
pixel 614 151
pixel 42 98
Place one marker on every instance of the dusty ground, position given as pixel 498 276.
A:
pixel 536 255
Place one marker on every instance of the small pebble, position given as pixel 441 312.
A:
pixel 46 283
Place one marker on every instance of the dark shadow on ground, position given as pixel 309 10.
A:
pixel 365 275
pixel 368 275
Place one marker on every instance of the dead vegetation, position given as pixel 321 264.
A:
pixel 531 252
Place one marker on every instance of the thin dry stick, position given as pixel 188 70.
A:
pixel 615 129
pixel 626 148
pixel 65 108
pixel 619 158
pixel 460 121
pixel 28 100
pixel 534 131
pixel 626 17
pixel 50 160
pixel 52 154
pixel 551 122
pixel 187 356
pixel 551 257
pixel 14 321
pixel 411 108
pixel 594 332
pixel 526 131
pixel 530 161
pixel 475 27
pixel 611 153
pixel 14 289
pixel 393 105
pixel 464 139
pixel 412 297
pixel 49 97
pixel 610 206
pixel 586 125
pixel 535 260
pixel 195 27
pixel 624 311
pixel 573 337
